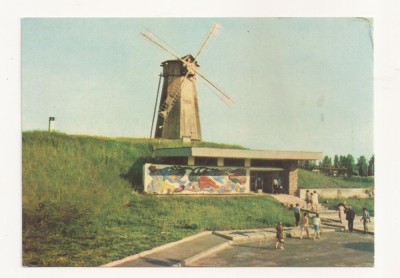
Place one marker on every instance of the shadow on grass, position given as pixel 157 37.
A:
pixel 135 174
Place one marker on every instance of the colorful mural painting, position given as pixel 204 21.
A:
pixel 166 179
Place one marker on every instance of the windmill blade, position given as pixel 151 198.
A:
pixel 224 96
pixel 152 38
pixel 214 31
pixel 161 41
pixel 211 89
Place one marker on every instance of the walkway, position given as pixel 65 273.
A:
pixel 329 217
pixel 176 253
pixel 338 249
pixel 196 249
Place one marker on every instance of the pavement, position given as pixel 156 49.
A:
pixel 337 249
pixel 217 248
pixel 329 217
pixel 176 254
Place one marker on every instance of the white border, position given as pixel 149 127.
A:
pixel 387 135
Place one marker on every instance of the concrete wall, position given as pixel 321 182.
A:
pixel 173 179
pixel 293 177
pixel 339 192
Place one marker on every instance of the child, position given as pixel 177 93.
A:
pixel 365 217
pixel 317 226
pixel 279 236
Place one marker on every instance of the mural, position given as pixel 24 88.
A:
pixel 163 179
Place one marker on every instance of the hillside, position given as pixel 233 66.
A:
pixel 308 179
pixel 81 206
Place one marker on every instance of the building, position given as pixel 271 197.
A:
pixel 190 170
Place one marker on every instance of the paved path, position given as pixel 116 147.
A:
pixel 177 254
pixel 338 249
pixel 329 217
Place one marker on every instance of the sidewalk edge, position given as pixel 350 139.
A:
pixel 156 249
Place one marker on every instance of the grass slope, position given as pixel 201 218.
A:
pixel 356 203
pixel 80 207
pixel 308 179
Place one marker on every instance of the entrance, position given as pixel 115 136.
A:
pixel 262 180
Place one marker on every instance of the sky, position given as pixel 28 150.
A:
pixel 298 84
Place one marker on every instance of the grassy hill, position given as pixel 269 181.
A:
pixel 81 205
pixel 308 179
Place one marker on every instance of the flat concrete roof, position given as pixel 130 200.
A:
pixel 235 153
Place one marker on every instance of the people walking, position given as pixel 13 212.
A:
pixel 279 236
pixel 308 199
pixel 296 211
pixel 280 186
pixel 341 210
pixel 365 218
pixel 312 201
pixel 317 226
pixel 304 225
pixel 350 215
pixel 315 201
pixel 275 186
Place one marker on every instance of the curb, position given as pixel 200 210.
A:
pixel 203 254
pixel 159 248
pixel 245 237
pixel 362 231
pixel 343 227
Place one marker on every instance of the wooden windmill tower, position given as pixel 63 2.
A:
pixel 178 112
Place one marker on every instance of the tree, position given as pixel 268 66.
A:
pixel 327 162
pixel 371 166
pixel 309 164
pixel 342 161
pixel 362 166
pixel 350 166
pixel 336 161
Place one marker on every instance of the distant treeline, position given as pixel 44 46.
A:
pixel 342 165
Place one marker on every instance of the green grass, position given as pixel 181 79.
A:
pixel 80 203
pixel 356 203
pixel 310 180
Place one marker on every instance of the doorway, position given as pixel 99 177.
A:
pixel 262 180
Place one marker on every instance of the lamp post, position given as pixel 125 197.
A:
pixel 51 123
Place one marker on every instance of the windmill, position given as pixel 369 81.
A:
pixel 178 111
